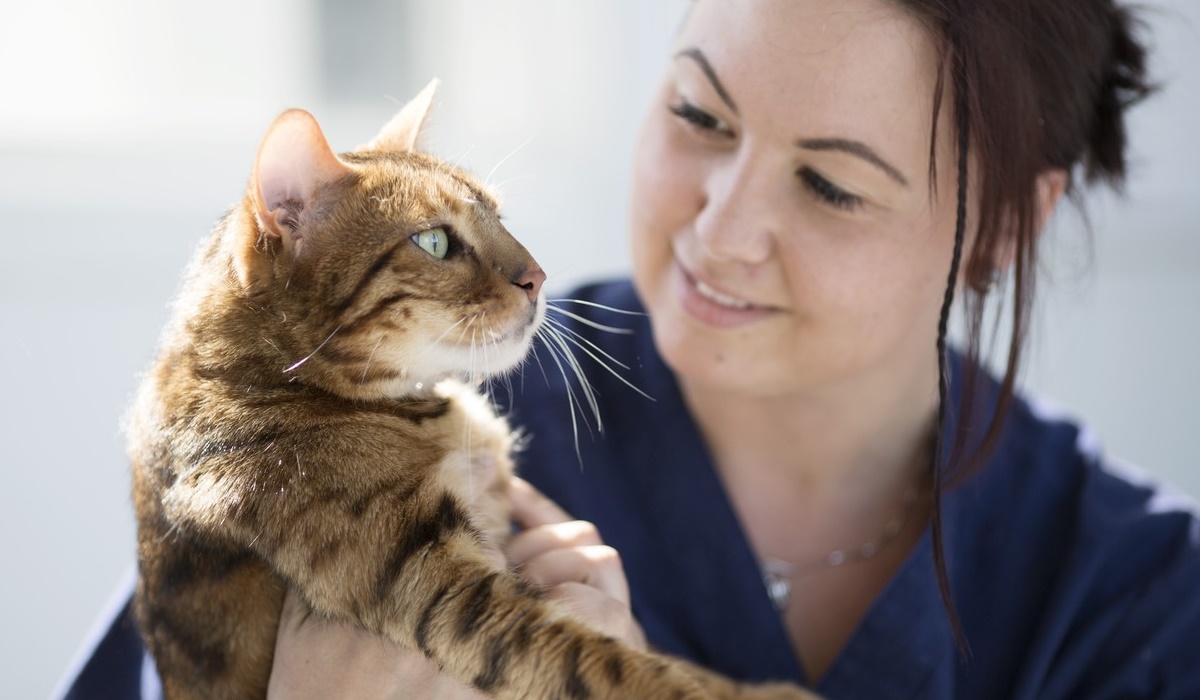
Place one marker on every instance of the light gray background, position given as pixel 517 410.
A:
pixel 128 126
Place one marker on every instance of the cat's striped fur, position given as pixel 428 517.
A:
pixel 303 427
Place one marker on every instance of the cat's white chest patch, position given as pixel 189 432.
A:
pixel 478 465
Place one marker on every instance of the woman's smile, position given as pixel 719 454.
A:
pixel 712 303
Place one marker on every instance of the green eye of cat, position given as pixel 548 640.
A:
pixel 435 241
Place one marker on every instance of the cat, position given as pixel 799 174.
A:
pixel 311 422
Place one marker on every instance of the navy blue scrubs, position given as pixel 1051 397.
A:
pixel 1074 577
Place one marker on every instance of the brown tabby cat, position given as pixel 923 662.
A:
pixel 303 427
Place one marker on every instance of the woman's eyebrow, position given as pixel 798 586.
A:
pixel 698 56
pixel 854 148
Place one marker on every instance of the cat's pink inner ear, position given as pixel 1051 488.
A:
pixel 294 161
pixel 402 133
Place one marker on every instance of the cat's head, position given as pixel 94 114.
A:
pixel 387 268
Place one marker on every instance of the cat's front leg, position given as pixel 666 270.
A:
pixel 413 567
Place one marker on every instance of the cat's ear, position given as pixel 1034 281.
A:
pixel 294 162
pixel 403 131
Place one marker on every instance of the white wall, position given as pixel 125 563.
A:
pixel 127 126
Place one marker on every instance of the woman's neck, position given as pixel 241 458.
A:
pixel 856 440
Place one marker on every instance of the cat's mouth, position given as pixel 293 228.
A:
pixel 486 348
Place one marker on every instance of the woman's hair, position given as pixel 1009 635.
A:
pixel 1036 85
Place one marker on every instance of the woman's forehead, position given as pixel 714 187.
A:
pixel 781 41
pixel 852 68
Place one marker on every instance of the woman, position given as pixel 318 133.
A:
pixel 794 218
pixel 801 197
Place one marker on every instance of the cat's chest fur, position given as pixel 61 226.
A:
pixel 477 463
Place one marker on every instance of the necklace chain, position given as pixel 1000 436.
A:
pixel 778 574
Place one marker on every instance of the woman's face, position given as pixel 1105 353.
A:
pixel 785 235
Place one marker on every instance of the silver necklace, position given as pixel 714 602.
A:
pixel 777 574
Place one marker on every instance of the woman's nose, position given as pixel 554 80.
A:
pixel 735 220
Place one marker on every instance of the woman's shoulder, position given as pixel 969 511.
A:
pixel 1096 558
pixel 1053 470
pixel 1050 451
pixel 1048 462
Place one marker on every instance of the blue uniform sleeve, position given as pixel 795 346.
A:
pixel 1147 644
pixel 114 664
pixel 1129 614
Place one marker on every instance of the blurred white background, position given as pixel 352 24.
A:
pixel 128 126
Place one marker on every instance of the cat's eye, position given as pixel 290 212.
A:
pixel 435 241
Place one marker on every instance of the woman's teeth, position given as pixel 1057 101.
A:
pixel 720 299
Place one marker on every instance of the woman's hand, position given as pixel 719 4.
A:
pixel 318 658
pixel 568 558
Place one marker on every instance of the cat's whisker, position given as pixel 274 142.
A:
pixel 314 352
pixel 473 369
pixel 487 337
pixel 170 532
pixel 556 342
pixel 487 179
pixel 486 333
pixel 499 186
pixel 589 391
pixel 593 355
pixel 572 400
pixel 593 304
pixel 470 369
pixel 508 386
pixel 564 327
pixel 476 350
pixel 588 321
pixel 447 331
pixel 363 379
pixel 467 432
pixel 458 161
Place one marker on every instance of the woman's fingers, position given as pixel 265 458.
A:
pixel 568 558
pixel 596 566
pixel 540 539
pixel 599 611
pixel 531 508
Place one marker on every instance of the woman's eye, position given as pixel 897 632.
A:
pixel 828 192
pixel 435 241
pixel 698 118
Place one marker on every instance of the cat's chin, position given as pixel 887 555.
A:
pixel 496 355
pixel 483 362
pixel 470 366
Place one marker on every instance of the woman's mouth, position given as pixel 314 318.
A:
pixel 714 307
pixel 718 298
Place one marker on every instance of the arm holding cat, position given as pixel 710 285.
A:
pixel 316 658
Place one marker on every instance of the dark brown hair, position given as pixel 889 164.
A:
pixel 1037 85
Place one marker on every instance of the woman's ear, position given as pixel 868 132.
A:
pixel 1050 185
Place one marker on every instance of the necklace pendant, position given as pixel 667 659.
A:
pixel 779 589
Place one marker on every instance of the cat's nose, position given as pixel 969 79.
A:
pixel 531 281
